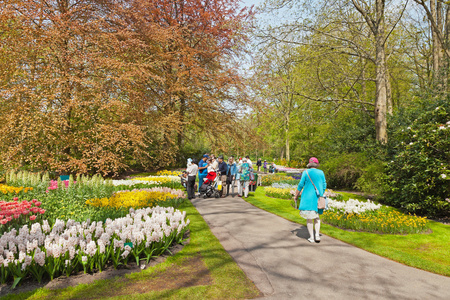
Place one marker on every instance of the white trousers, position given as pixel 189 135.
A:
pixel 243 185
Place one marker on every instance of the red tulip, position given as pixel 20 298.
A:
pixel 32 217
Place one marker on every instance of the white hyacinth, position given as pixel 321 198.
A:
pixel 353 206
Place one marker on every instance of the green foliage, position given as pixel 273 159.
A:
pixel 418 175
pixel 344 170
pixel 373 179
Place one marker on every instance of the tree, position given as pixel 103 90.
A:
pixel 356 29
pixel 99 86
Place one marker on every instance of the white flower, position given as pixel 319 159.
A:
pixel 443 176
pixel 437 108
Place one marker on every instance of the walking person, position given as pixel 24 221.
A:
pixel 244 179
pixel 249 161
pixel 311 179
pixel 231 175
pixel 258 164
pixel 192 171
pixel 202 170
pixel 265 166
pixel 223 174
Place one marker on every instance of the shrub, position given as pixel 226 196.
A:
pixel 373 178
pixel 343 171
pixel 418 178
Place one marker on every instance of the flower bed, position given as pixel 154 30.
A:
pixel 168 173
pixel 72 246
pixel 268 180
pixel 371 217
pixel 15 213
pixel 281 193
pixel 137 198
pixel 6 189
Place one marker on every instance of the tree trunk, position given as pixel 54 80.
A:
pixel 286 132
pixel 436 43
pixel 381 80
pixel 390 101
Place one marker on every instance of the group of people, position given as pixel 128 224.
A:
pixel 312 184
pixel 231 173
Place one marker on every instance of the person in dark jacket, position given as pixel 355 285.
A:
pixel 223 174
pixel 258 164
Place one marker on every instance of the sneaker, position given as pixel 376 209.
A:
pixel 317 238
pixel 311 240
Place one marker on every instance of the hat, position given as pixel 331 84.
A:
pixel 205 155
pixel 313 163
pixel 313 160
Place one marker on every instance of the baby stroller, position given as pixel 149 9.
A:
pixel 209 186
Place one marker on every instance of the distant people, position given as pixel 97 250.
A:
pixel 244 179
pixel 191 171
pixel 231 175
pixel 202 170
pixel 249 161
pixel 265 166
pixel 258 164
pixel 311 179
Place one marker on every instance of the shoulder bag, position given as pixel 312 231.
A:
pixel 321 202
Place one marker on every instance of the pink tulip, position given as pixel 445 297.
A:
pixel 41 211
pixel 4 221
pixel 38 203
pixel 15 198
pixel 33 217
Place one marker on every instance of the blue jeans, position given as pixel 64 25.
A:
pixel 200 180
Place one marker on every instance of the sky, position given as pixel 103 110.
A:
pixel 252 2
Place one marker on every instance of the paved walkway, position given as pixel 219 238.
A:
pixel 276 256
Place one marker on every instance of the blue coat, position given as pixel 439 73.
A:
pixel 232 169
pixel 309 198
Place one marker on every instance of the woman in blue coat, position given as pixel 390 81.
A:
pixel 309 198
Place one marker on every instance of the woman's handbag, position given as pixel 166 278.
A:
pixel 321 202
pixel 252 176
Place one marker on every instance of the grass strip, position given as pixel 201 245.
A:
pixel 424 251
pixel 228 280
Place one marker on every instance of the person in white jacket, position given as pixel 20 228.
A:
pixel 249 161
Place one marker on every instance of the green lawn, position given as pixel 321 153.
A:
pixel 424 251
pixel 227 280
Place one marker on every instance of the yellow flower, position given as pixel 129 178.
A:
pixel 5 189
